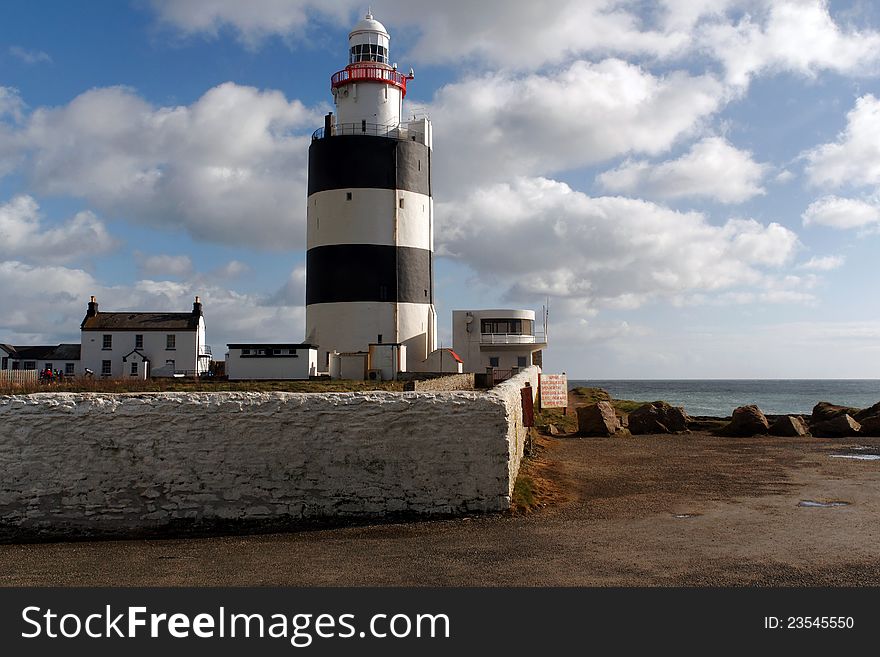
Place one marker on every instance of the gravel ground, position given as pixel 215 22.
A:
pixel 610 519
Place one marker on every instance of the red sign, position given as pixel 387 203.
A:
pixel 554 391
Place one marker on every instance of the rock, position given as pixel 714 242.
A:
pixel 790 426
pixel 864 414
pixel 597 419
pixel 870 426
pixel 824 411
pixel 746 421
pixel 658 417
pixel 841 426
pixel 552 430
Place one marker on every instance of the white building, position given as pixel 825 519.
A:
pixel 252 361
pixel 144 344
pixel 370 237
pixel 500 339
pixel 63 358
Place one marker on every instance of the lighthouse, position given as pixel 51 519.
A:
pixel 370 234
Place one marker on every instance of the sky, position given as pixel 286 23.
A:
pixel 692 186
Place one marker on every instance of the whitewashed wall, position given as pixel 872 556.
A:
pixel 92 464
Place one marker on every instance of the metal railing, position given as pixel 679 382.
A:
pixel 370 130
pixel 206 350
pixel 512 338
pixel 360 73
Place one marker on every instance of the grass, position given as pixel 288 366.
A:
pixel 582 397
pixel 190 385
pixel 524 496
pixel 592 395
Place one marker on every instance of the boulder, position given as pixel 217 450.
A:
pixel 552 430
pixel 597 419
pixel 746 421
pixel 841 426
pixel 824 411
pixel 789 426
pixel 865 413
pixel 657 417
pixel 870 426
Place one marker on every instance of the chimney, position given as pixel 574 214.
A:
pixel 197 307
pixel 93 307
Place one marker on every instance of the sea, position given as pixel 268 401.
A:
pixel 718 397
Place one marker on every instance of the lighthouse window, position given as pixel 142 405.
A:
pixel 368 52
pixel 347 196
pixel 401 204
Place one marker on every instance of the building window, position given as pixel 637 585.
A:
pixel 30 365
pixel 513 326
pixel 276 352
pixel 493 361
pixel 139 341
pixel 170 342
pixel 347 196
pixel 15 365
pixel 108 342
pixel 68 369
pixel 292 352
pixel 105 368
pixel 521 361
pixel 134 368
pixel 5 364
pixel 245 352
pixel 49 367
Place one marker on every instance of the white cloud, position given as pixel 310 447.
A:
pixel 748 37
pixel 854 159
pixel 538 237
pixel 160 265
pixel 497 126
pixel 252 21
pixel 527 35
pixel 11 112
pixel 515 35
pixel 824 263
pixel 841 213
pixel 11 103
pixel 799 36
pixel 229 168
pixel 231 269
pixel 30 56
pixel 24 233
pixel 45 304
pixel 712 168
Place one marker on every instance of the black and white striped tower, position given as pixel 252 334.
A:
pixel 370 235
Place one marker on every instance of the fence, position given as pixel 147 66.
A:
pixel 19 376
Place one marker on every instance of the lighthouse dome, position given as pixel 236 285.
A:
pixel 368 41
pixel 368 24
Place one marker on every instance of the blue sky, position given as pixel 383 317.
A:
pixel 692 185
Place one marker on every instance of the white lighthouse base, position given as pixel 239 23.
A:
pixel 353 326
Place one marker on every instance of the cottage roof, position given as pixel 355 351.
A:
pixel 50 352
pixel 141 322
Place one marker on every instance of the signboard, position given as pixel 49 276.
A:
pixel 554 391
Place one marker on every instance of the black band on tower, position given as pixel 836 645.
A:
pixel 368 272
pixel 363 161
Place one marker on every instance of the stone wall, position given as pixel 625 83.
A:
pixel 91 464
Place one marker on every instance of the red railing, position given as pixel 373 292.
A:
pixel 370 74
